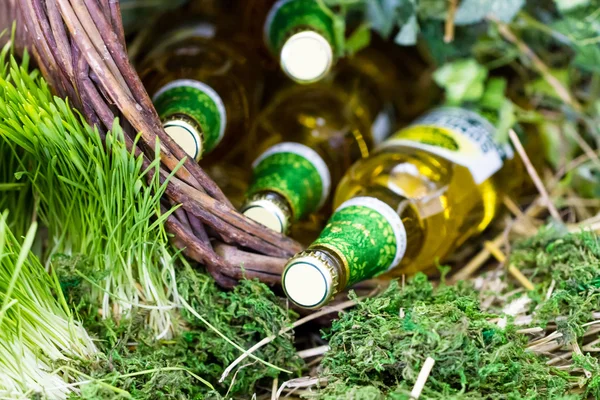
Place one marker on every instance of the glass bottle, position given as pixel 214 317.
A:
pixel 309 135
pixel 418 197
pixel 205 86
pixel 301 35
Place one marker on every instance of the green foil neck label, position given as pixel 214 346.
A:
pixel 368 234
pixel 198 101
pixel 292 16
pixel 458 135
pixel 295 172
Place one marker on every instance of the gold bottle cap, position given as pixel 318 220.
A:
pixel 309 281
pixel 306 57
pixel 267 212
pixel 186 135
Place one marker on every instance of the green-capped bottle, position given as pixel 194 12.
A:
pixel 301 35
pixel 205 86
pixel 308 136
pixel 421 194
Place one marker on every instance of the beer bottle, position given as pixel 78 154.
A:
pixel 421 194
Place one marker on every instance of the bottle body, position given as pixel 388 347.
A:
pixel 439 202
pixel 205 87
pixel 301 35
pixel 304 141
pixel 309 135
pixel 438 179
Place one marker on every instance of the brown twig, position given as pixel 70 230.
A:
pixel 476 262
pixel 449 25
pixel 516 273
pixel 246 261
pixel 534 175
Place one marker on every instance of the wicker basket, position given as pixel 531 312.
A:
pixel 79 46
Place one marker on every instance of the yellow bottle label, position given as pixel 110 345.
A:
pixel 458 135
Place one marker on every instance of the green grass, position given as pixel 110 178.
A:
pixel 161 326
pixel 37 329
pixel 15 194
pixel 93 199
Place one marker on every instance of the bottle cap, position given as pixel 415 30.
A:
pixel 267 212
pixel 186 135
pixel 309 280
pixel 306 57
pixel 193 113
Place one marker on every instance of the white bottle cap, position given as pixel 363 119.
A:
pixel 308 281
pixel 267 213
pixel 306 57
pixel 186 136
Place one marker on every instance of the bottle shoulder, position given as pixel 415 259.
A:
pixel 316 116
pixel 393 162
pixel 200 55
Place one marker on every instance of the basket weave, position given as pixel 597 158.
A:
pixel 79 46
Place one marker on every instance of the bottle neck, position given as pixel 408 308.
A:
pixel 361 77
pixel 312 278
pixel 294 174
pixel 302 35
pixel 366 235
pixel 193 115
pixel 269 209
pixel 363 238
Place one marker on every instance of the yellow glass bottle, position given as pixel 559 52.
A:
pixel 420 195
pixel 301 35
pixel 309 135
pixel 205 85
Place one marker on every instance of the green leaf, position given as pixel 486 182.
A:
pixel 432 33
pixel 471 11
pixel 339 27
pixel 585 179
pixel 408 33
pixel 568 5
pixel 432 9
pixel 541 86
pixel 385 15
pixel 494 95
pixel 474 11
pixel 359 39
pixel 463 80
pixel 583 30
pixel 558 144
pixel 588 58
pixel 382 15
pixel 506 120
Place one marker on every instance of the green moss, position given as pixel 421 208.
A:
pixel 245 315
pixel 572 261
pixel 378 349
pixel 383 343
pixel 553 254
